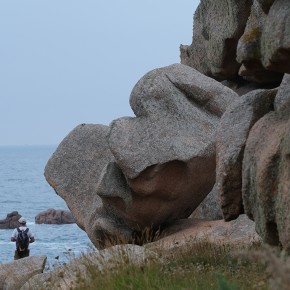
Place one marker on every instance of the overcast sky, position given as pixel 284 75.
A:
pixel 67 62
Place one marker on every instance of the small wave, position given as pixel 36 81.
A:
pixel 30 223
pixel 37 243
pixel 11 201
pixel 15 179
pixel 6 243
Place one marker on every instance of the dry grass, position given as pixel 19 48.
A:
pixel 200 266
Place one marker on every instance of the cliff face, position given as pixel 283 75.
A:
pixel 216 125
pixel 252 141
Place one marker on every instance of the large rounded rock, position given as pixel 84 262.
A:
pixel 166 153
pixel 54 216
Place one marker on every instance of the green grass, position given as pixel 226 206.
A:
pixel 202 266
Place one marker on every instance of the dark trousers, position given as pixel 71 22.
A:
pixel 19 255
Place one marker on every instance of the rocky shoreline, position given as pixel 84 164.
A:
pixel 28 273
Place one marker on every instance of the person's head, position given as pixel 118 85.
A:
pixel 22 221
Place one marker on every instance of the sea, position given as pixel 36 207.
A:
pixel 23 188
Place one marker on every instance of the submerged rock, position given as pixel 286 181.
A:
pixel 11 221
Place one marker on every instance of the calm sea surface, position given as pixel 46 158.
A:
pixel 23 188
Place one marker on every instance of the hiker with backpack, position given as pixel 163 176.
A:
pixel 23 237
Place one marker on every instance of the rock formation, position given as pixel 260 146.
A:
pixel 11 221
pixel 212 131
pixel 161 161
pixel 54 216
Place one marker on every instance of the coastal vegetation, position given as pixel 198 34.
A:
pixel 198 266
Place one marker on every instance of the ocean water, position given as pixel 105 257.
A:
pixel 23 188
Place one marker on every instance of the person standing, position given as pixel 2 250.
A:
pixel 23 236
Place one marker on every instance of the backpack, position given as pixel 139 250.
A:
pixel 22 240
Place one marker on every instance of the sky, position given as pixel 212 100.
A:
pixel 68 62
